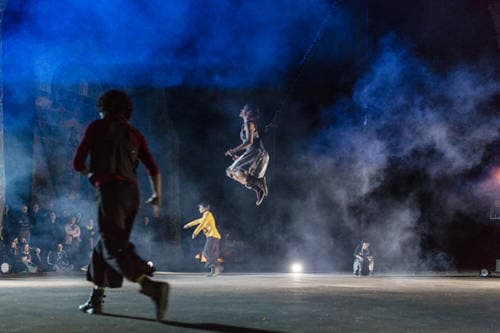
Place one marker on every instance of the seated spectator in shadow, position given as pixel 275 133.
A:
pixel 79 218
pixel 37 213
pixel 14 244
pixel 24 223
pixel 36 259
pixel 37 216
pixel 89 237
pixel 25 255
pixel 363 256
pixel 58 260
pixel 3 251
pixel 9 225
pixel 21 242
pixel 14 258
pixel 73 239
pixel 53 233
pixel 3 243
pixel 3 239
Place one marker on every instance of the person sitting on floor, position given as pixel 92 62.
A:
pixel 26 259
pixel 363 255
pixel 58 260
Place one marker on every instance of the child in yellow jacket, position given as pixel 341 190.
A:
pixel 211 249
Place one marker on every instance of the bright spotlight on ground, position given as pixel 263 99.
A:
pixel 296 267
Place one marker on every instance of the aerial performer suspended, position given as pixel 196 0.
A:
pixel 250 168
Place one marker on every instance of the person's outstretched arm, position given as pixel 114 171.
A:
pixel 193 223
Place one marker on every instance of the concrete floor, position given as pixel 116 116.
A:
pixel 260 303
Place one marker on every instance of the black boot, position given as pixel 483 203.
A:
pixel 257 185
pixel 212 271
pixel 158 292
pixel 260 196
pixel 264 185
pixel 94 303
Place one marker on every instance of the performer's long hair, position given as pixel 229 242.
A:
pixel 115 104
pixel 253 112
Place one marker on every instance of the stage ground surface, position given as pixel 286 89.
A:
pixel 260 303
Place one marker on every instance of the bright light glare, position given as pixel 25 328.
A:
pixel 296 267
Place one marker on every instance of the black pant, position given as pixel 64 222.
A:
pixel 114 257
pixel 211 251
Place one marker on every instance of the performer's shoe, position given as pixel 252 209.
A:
pixel 94 303
pixel 218 270
pixel 158 292
pixel 259 182
pixel 256 184
pixel 212 271
pixel 264 185
pixel 260 196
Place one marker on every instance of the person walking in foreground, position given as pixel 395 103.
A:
pixel 211 249
pixel 115 148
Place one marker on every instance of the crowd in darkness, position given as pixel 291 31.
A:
pixel 35 239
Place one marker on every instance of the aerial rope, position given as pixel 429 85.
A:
pixel 249 168
pixel 300 68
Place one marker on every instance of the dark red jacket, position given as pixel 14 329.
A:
pixel 114 148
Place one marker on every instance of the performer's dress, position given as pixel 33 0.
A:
pixel 254 160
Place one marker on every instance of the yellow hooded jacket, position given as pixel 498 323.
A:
pixel 205 223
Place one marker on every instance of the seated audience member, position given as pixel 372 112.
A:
pixel 3 243
pixel 88 236
pixel 36 259
pixel 72 234
pixel 36 216
pixel 26 259
pixel 21 242
pixel 14 258
pixel 58 260
pixel 24 223
pixel 53 233
pixel 9 225
pixel 3 253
